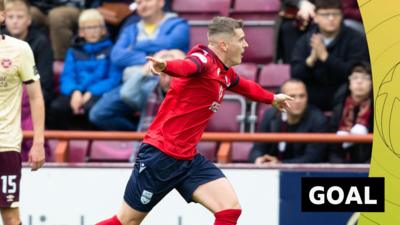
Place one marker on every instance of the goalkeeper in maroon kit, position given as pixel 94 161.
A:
pixel 167 159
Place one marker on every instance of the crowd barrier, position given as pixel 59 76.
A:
pixel 226 139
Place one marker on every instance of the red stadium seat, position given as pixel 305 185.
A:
pixel 256 114
pixel 111 150
pixel 273 75
pixel 78 150
pixel 198 35
pixel 247 70
pixel 201 10
pixel 208 149
pixel 240 151
pixel 261 108
pixel 261 44
pixel 256 9
pixel 230 117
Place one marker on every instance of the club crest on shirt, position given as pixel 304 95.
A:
pixel 146 197
pixel 6 63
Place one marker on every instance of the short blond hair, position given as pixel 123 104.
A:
pixel 226 25
pixel 90 14
pixel 17 4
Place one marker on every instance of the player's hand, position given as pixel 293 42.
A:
pixel 36 156
pixel 281 102
pixel 157 65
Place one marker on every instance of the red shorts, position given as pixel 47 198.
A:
pixel 10 176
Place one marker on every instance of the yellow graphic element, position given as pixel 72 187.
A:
pixel 381 20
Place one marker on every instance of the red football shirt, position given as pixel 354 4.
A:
pixel 195 95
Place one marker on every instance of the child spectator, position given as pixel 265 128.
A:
pixel 88 72
pixel 353 114
pixel 18 25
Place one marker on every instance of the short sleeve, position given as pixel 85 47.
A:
pixel 201 60
pixel 27 70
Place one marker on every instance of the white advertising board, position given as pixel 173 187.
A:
pixel 84 196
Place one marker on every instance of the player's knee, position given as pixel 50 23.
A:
pixel 234 204
pixel 227 217
pixel 94 115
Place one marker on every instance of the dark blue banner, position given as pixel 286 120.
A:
pixel 290 212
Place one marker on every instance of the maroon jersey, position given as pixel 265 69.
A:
pixel 195 95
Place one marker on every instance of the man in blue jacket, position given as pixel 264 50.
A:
pixel 156 31
pixel 88 73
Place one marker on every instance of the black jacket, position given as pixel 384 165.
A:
pixel 359 153
pixel 46 5
pixel 313 121
pixel 324 78
pixel 43 55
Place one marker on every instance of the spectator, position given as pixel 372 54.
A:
pixel 61 17
pixel 294 20
pixel 322 58
pixel 112 113
pixel 302 117
pixel 155 32
pixel 88 72
pixel 18 21
pixel 353 115
pixel 352 15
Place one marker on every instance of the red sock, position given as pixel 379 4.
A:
pixel 112 221
pixel 227 217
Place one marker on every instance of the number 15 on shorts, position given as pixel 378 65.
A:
pixel 8 184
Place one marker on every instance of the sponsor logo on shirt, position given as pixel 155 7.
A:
pixel 6 63
pixel 10 198
pixel 215 107
pixel 142 167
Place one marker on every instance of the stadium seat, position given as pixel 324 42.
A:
pixel 78 150
pixel 208 149
pixel 198 35
pixel 261 108
pixel 272 76
pixel 230 117
pixel 261 44
pixel 256 114
pixel 256 9
pixel 247 70
pixel 111 151
pixel 201 10
pixel 240 151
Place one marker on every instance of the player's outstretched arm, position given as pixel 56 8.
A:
pixel 36 154
pixel 175 68
pixel 255 92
